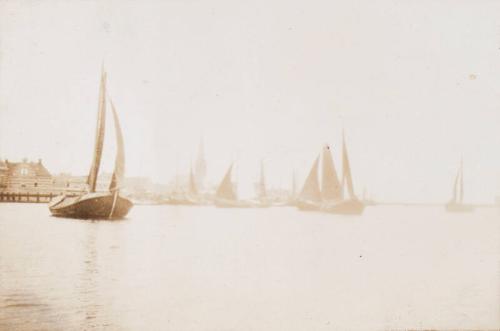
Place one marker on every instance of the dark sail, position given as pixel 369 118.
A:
pixel 119 171
pixel 99 139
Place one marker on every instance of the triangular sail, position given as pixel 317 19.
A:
pixel 346 171
pixel 225 189
pixel 119 171
pixel 99 140
pixel 330 186
pixel 311 191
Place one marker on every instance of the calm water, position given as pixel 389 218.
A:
pixel 202 268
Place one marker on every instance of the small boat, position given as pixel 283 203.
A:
pixel 262 200
pixel 226 197
pixel 92 204
pixel 456 205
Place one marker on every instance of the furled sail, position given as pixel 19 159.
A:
pixel 311 191
pixel 99 140
pixel 455 186
pixel 262 182
pixel 330 186
pixel 461 186
pixel 346 170
pixel 225 189
pixel 193 190
pixel 200 166
pixel 119 171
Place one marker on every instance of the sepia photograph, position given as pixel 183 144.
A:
pixel 222 165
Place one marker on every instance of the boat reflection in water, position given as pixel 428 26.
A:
pixel 98 205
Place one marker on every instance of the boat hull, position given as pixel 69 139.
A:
pixel 459 208
pixel 306 205
pixel 96 206
pixel 345 207
pixel 226 203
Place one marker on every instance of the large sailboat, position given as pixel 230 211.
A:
pixel 92 204
pixel 331 197
pixel 348 202
pixel 456 204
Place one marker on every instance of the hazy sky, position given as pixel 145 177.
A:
pixel 415 84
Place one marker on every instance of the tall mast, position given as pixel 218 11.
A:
pixel 330 185
pixel 461 186
pixel 346 170
pixel 99 139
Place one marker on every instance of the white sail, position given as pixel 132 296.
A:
pixel 311 190
pixel 99 139
pixel 225 189
pixel 330 186
pixel 119 171
pixel 346 171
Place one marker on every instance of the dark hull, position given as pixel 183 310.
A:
pixel 91 206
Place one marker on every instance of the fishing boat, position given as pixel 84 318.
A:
pixel 456 204
pixel 345 202
pixel 92 204
pixel 331 196
pixel 226 195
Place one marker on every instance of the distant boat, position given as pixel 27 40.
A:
pixel 350 204
pixel 262 196
pixel 98 205
pixel 456 205
pixel 226 196
pixel 331 196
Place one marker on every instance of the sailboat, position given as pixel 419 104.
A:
pixel 226 196
pixel 331 197
pixel 456 203
pixel 262 197
pixel 93 204
pixel 348 203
